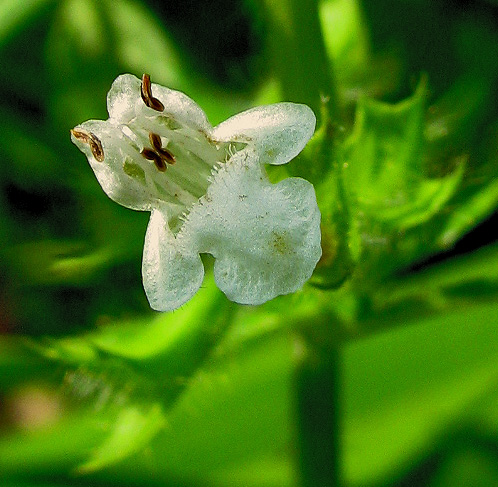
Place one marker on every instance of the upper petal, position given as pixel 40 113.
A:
pixel 172 271
pixel 124 103
pixel 178 107
pixel 122 98
pixel 279 132
pixel 265 237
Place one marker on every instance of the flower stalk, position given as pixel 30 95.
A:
pixel 317 388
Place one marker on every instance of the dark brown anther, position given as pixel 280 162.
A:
pixel 92 140
pixel 155 140
pixel 146 92
pixel 151 155
pixel 164 153
pixel 158 154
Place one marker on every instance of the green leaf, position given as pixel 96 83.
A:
pixel 384 170
pixel 383 154
pixel 468 213
pixel 72 351
pixel 391 199
pixel 145 339
pixel 235 412
pixel 406 389
pixel 53 451
pixel 404 392
pixel 122 420
pixel 462 280
pixel 430 197
pixel 132 431
pixel 136 370
pixel 58 262
pixel 168 345
pixel 173 344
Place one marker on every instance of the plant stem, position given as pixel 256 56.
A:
pixel 298 54
pixel 317 404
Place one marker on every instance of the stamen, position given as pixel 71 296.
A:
pixel 92 140
pixel 151 155
pixel 164 153
pixel 155 140
pixel 146 92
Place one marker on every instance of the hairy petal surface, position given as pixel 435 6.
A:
pixel 278 132
pixel 265 237
pixel 172 271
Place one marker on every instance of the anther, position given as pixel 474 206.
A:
pixel 164 153
pixel 146 92
pixel 155 140
pixel 92 140
pixel 151 155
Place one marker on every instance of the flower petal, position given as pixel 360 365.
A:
pixel 123 97
pixel 278 131
pixel 265 237
pixel 172 273
pixel 180 107
pixel 124 104
pixel 124 180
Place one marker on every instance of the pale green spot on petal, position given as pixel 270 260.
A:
pixel 134 171
pixel 168 122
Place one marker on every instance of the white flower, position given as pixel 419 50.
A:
pixel 207 191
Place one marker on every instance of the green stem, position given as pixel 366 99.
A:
pixel 317 404
pixel 298 54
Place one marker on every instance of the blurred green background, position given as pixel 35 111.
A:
pixel 382 371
